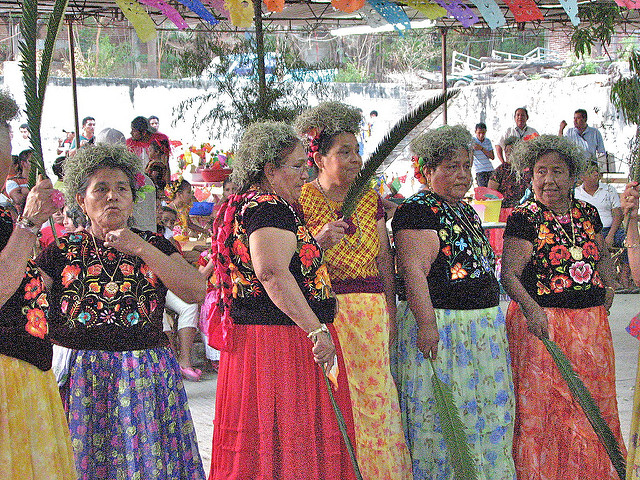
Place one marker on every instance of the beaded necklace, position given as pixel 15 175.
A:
pixel 112 286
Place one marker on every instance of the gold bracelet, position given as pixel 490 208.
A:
pixel 609 287
pixel 633 245
pixel 313 335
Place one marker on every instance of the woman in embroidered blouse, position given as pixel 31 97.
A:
pixel 451 315
pixel 126 405
pixel 557 271
pixel 273 416
pixel 361 270
pixel 34 438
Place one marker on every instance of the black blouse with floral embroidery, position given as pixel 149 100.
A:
pixel 553 277
pixel 23 318
pixel 462 277
pixel 250 303
pixel 88 315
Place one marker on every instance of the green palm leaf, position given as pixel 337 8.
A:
pixel 386 146
pixel 591 410
pixel 453 430
pixel 55 22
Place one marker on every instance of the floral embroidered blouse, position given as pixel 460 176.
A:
pixel 23 317
pixel 104 299
pixel 553 277
pixel 250 303
pixel 462 276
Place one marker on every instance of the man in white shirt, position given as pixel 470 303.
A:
pixel 520 131
pixel 586 137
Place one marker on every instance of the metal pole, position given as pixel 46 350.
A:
pixel 443 38
pixel 262 79
pixel 74 87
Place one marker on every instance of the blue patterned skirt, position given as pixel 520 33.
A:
pixel 473 358
pixel 129 418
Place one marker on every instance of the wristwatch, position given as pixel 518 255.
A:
pixel 27 224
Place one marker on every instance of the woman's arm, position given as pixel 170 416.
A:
pixel 271 252
pixel 516 253
pixel 17 252
pixel 605 270
pixel 174 271
pixel 616 213
pixel 629 201
pixel 416 250
pixel 386 269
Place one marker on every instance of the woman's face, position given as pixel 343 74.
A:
pixel 552 182
pixel 228 189
pixel 342 163
pixel 287 179
pixel 452 179
pixel 5 152
pixel 108 201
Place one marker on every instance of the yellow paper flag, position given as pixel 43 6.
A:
pixel 431 10
pixel 139 18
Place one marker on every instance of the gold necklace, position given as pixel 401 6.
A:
pixel 477 235
pixel 574 250
pixel 112 286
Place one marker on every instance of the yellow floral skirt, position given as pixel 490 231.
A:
pixel 34 436
pixel 362 324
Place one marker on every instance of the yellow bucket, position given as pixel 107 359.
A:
pixel 491 209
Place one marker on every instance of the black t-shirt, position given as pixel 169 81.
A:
pixel 23 321
pixel 250 303
pixel 462 276
pixel 553 277
pixel 103 299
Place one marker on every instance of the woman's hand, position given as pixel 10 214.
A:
pixel 331 233
pixel 629 200
pixel 608 298
pixel 537 322
pixel 324 351
pixel 125 241
pixel 39 205
pixel 428 338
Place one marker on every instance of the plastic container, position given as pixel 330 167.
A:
pixel 215 174
pixel 491 209
pixel 479 210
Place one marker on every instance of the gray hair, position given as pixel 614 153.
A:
pixel 526 153
pixel 439 145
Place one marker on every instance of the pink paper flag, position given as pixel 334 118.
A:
pixel 524 10
pixel 632 4
pixel 458 10
pixel 219 7
pixel 170 12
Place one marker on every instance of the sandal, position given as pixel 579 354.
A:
pixel 191 374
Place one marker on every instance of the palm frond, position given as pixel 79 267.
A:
pixel 455 437
pixel 386 146
pixel 53 28
pixel 343 428
pixel 591 410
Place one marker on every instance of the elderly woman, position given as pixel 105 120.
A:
pixel 361 270
pixel 273 416
pixel 29 398
pixel 451 316
pixel 556 269
pixel 125 402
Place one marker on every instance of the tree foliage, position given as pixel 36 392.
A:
pixel 598 22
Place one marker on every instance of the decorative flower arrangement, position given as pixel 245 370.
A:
pixel 204 156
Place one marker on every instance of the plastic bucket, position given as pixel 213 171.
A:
pixel 479 210
pixel 491 209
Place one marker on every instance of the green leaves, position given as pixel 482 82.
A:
pixel 600 19
pixel 453 430
pixel 582 395
pixel 34 84
pixel 386 146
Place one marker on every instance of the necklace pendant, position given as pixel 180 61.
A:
pixel 576 252
pixel 111 288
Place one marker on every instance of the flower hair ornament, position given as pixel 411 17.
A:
pixel 418 165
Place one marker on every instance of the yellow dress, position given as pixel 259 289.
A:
pixel 362 324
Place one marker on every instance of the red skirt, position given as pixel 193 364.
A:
pixel 273 416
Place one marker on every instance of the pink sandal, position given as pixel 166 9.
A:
pixel 191 374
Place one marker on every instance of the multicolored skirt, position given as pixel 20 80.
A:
pixel 553 439
pixel 473 358
pixel 34 437
pixel 273 417
pixel 129 417
pixel 633 457
pixel 362 324
pixel 210 352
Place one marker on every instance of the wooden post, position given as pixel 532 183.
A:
pixel 74 86
pixel 262 78
pixel 443 38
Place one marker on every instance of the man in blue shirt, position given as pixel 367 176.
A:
pixel 482 155
pixel 586 137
